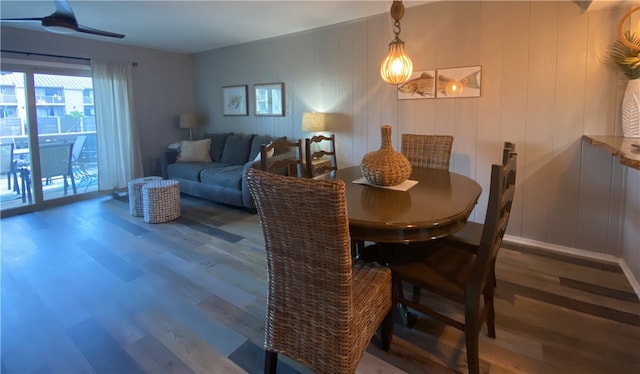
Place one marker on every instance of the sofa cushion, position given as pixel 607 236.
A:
pixel 217 144
pixel 228 176
pixel 191 170
pixel 195 151
pixel 236 149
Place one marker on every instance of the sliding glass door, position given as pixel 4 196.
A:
pixel 48 132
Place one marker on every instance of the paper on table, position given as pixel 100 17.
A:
pixel 398 187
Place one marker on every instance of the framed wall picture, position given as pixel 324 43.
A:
pixel 421 85
pixel 459 82
pixel 269 99
pixel 234 101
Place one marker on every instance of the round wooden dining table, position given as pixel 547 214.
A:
pixel 437 206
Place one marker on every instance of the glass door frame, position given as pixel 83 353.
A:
pixel 30 69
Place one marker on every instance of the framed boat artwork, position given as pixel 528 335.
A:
pixel 420 85
pixel 458 82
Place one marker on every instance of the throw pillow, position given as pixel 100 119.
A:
pixel 236 149
pixel 217 144
pixel 269 153
pixel 195 151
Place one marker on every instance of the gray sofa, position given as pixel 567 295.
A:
pixel 221 180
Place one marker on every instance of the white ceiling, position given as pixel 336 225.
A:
pixel 196 26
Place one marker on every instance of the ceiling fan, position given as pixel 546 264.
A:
pixel 63 21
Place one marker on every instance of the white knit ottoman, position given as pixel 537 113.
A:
pixel 161 201
pixel 135 194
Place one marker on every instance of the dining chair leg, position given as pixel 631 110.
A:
pixel 471 332
pixel 416 294
pixel 270 362
pixel 408 319
pixel 386 330
pixel 356 248
pixel 491 314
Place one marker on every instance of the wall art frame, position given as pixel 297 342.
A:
pixel 459 82
pixel 269 99
pixel 420 85
pixel 234 100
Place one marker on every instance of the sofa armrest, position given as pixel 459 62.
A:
pixel 247 200
pixel 168 157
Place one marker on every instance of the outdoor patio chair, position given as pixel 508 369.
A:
pixel 55 161
pixel 7 167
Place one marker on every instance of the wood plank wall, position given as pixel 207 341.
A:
pixel 546 81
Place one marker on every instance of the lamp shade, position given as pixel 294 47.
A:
pixel 188 121
pixel 314 121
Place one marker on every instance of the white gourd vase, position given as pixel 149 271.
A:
pixel 631 109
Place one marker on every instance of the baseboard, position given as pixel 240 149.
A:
pixel 629 274
pixel 579 253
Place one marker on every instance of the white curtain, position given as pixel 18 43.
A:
pixel 119 157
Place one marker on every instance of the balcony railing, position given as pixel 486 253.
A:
pixel 11 127
pixel 50 99
pixel 8 99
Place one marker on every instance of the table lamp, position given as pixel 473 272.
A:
pixel 188 121
pixel 314 122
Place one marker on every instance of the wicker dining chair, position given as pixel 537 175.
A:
pixel 429 151
pixel 291 166
pixel 322 308
pixel 326 170
pixel 461 276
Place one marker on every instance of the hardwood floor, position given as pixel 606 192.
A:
pixel 88 288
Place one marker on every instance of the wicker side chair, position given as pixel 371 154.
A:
pixel 322 309
pixel 324 171
pixel 460 276
pixel 429 151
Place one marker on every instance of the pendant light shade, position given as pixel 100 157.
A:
pixel 397 67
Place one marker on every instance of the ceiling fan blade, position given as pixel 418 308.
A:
pixel 20 19
pixel 64 8
pixel 63 19
pixel 89 30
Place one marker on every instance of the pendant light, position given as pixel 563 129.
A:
pixel 397 66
